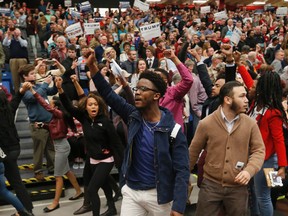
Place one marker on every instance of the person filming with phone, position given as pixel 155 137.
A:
pixel 18 53
pixel 42 69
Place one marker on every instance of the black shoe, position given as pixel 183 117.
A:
pixel 109 212
pixel 25 213
pixel 77 197
pixel 46 209
pixel 117 196
pixel 83 209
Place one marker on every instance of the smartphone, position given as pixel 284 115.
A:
pixel 275 179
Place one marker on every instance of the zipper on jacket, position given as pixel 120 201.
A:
pixel 92 123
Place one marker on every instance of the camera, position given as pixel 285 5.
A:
pixel 49 62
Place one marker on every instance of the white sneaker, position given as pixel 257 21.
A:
pixel 75 166
pixel 82 165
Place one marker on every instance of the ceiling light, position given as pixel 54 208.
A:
pixel 199 1
pixel 259 3
pixel 153 0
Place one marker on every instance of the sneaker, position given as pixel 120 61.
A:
pixel 82 165
pixel 75 166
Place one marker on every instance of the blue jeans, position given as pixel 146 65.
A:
pixel 263 192
pixel 6 194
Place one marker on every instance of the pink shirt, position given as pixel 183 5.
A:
pixel 173 98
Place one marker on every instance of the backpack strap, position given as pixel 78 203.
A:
pixel 172 137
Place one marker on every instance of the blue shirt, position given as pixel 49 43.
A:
pixel 142 173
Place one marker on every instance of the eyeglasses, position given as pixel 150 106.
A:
pixel 143 89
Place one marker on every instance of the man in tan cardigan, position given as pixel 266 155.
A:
pixel 235 152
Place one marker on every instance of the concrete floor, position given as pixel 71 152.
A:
pixel 67 207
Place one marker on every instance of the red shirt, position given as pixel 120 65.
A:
pixel 270 125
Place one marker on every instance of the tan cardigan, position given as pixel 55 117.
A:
pixel 224 149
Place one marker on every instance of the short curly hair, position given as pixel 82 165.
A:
pixel 157 81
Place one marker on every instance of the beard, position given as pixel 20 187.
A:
pixel 236 108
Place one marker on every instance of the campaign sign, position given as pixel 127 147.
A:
pixel 281 11
pixel 205 9
pixel 220 15
pixel 124 4
pixel 150 31
pixel 74 30
pixel 235 38
pixel 90 27
pixel 141 5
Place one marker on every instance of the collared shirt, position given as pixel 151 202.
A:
pixel 255 113
pixel 150 61
pixel 229 124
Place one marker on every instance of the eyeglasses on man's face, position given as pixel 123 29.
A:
pixel 143 89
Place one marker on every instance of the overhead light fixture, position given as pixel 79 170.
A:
pixel 259 3
pixel 153 0
pixel 199 1
pixel 285 0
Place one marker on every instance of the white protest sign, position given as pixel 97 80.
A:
pixel 1 0
pixel 220 15
pixel 76 14
pixel 141 5
pixel 74 30
pixel 85 7
pixel 5 11
pixel 281 11
pixel 198 20
pixel 116 69
pixel 90 27
pixel 150 31
pixel 68 3
pixel 205 9
pixel 124 4
pixel 235 38
pixel 50 40
pixel 98 19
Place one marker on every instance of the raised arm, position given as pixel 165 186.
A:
pixel 186 82
pixel 60 69
pixel 66 101
pixel 77 86
pixel 203 72
pixel 18 96
pixel 116 102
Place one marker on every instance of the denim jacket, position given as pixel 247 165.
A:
pixel 172 168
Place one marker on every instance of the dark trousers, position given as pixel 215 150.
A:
pixel 96 176
pixel 213 197
pixel 13 176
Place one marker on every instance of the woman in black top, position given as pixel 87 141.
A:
pixel 102 143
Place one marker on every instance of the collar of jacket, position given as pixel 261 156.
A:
pixel 166 123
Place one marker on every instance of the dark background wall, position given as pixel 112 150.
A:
pixel 94 3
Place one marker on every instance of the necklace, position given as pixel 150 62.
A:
pixel 150 128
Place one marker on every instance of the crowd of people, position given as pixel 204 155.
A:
pixel 188 100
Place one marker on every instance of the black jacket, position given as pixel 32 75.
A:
pixel 9 139
pixel 102 140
